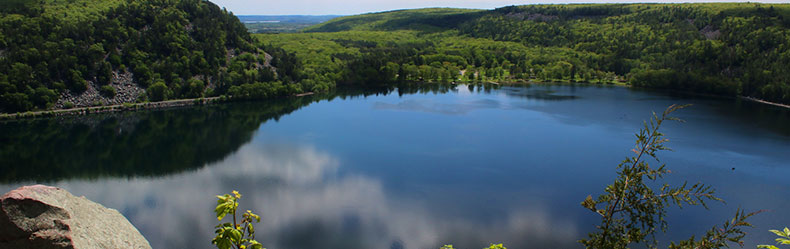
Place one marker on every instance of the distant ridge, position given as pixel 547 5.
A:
pixel 286 18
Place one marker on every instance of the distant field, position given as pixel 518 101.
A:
pixel 281 24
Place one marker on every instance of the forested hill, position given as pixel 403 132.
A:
pixel 70 53
pixel 719 48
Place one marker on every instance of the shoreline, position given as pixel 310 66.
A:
pixel 764 101
pixel 123 107
pixel 111 108
pixel 212 100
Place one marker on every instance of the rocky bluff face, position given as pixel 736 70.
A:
pixel 45 217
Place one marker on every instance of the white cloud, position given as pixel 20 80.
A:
pixel 298 192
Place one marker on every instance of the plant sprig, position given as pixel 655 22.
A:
pixel 238 235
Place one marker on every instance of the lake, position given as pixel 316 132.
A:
pixel 406 167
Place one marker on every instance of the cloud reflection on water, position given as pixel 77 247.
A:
pixel 305 203
pixel 430 106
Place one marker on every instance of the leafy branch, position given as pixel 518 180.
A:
pixel 238 235
pixel 632 211
pixel 718 237
pixel 784 239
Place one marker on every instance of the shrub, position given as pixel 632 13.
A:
pixel 107 91
pixel 158 91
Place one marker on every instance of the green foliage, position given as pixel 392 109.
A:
pixel 43 97
pixel 719 237
pixel 728 49
pixel 78 42
pixel 632 211
pixel 158 91
pixel 784 238
pixel 107 91
pixel 239 235
pixel 493 246
pixel 496 246
pixel 721 48
pixel 381 58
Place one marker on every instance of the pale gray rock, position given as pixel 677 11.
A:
pixel 45 217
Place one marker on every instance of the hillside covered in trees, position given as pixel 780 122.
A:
pixel 65 53
pixel 73 53
pixel 726 49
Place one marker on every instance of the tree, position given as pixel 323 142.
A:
pixel 633 211
pixel 158 91
pixel 43 97
pixel 104 75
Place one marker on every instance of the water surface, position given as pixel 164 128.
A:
pixel 407 168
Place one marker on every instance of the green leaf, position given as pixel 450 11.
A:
pixel 224 244
pixel 767 246
pixel 255 245
pixel 589 203
pixel 235 235
pixel 496 246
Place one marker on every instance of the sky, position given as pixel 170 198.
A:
pixel 351 7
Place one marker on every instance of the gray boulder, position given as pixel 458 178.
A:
pixel 45 217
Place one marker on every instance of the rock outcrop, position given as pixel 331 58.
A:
pixel 44 217
pixel 127 91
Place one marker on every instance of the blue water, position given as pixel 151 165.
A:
pixel 467 165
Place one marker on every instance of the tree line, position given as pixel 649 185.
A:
pixel 724 48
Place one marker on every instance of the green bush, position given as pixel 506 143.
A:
pixel 158 91
pixel 107 91
pixel 44 98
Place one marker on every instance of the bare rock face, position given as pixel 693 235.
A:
pixel 44 217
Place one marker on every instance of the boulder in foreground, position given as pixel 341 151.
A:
pixel 44 217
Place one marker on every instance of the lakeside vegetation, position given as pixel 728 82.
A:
pixel 178 49
pixel 725 49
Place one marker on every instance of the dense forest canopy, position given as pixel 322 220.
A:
pixel 172 48
pixel 72 53
pixel 723 48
